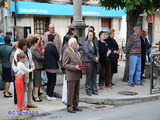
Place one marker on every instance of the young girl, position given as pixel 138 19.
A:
pixel 19 62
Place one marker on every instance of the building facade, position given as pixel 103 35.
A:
pixel 38 14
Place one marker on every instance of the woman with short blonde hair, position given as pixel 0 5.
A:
pixel 114 54
pixel 110 31
pixel 15 45
pixel 39 42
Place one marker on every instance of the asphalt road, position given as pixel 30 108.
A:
pixel 137 111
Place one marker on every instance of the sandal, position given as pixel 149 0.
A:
pixel 7 96
pixel 37 100
pixel 8 93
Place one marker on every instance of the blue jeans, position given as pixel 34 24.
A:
pixel 134 69
pixel 148 54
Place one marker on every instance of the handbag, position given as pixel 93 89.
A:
pixel 98 65
pixel 113 56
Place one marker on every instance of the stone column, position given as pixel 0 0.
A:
pixel 77 21
pixel 77 10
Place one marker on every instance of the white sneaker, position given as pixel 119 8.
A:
pixel 50 98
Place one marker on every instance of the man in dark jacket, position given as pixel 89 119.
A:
pixel 143 52
pixel 149 45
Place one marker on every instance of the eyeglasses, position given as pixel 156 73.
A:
pixel 52 28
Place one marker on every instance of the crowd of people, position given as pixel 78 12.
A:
pixel 27 59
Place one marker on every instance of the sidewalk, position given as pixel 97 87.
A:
pixel 106 96
pixel 110 96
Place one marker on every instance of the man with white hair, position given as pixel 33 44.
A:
pixel 134 50
pixel 57 40
pixel 71 61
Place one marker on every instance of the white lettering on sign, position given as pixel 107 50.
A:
pixel 90 13
pixel 38 11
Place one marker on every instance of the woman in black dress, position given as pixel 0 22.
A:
pixel 113 47
pixel 105 71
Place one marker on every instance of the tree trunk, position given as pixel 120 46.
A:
pixel 132 17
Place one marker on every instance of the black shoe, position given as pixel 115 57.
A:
pixel 143 77
pixel 37 100
pixel 7 96
pixel 79 109
pixel 45 84
pixel 89 94
pixel 132 85
pixel 140 84
pixel 96 93
pixel 33 98
pixel 113 84
pixel 8 93
pixel 72 111
pixel 39 94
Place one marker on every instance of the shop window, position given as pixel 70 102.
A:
pixel 41 25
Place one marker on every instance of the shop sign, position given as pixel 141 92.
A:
pixel 149 19
pixel 61 9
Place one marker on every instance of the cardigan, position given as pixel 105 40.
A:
pixel 5 52
pixel 102 52
pixel 134 45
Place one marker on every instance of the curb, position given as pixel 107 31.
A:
pixel 116 101
pixel 119 101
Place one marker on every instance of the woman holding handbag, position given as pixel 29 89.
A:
pixel 114 52
pixel 105 71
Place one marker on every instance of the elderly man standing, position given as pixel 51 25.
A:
pixel 144 43
pixel 57 40
pixel 71 60
pixel 149 45
pixel 134 50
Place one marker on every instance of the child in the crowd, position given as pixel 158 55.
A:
pixel 19 62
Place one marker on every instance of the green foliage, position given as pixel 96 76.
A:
pixel 130 5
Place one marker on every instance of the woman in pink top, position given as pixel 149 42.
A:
pixel 50 65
